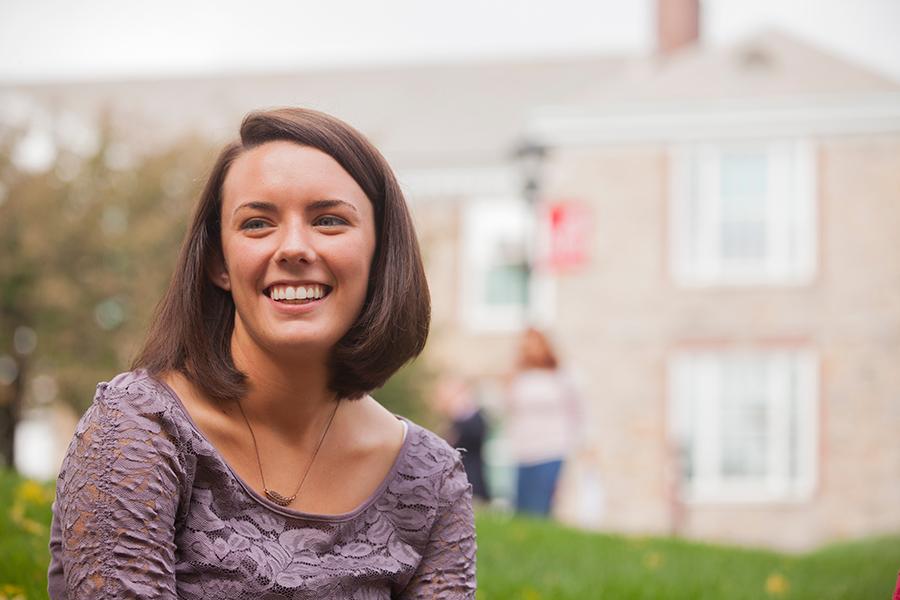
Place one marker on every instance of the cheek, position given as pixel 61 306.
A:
pixel 355 260
pixel 244 262
pixel 360 284
pixel 357 270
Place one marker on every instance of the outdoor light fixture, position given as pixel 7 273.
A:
pixel 529 157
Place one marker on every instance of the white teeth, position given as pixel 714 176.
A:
pixel 287 292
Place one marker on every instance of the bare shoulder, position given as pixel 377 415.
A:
pixel 188 393
pixel 432 452
pixel 374 427
pixel 212 417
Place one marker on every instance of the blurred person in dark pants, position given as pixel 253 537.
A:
pixel 466 429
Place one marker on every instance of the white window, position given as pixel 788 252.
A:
pixel 497 292
pixel 744 424
pixel 743 213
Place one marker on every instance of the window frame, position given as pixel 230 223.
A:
pixel 700 420
pixel 504 214
pixel 791 246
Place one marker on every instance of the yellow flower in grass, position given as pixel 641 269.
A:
pixel 11 592
pixel 777 585
pixel 653 560
pixel 519 533
pixel 530 593
pixel 17 516
pixel 31 492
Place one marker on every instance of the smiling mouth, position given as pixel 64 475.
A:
pixel 297 294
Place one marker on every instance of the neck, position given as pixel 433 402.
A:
pixel 289 395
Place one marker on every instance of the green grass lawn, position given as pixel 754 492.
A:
pixel 24 534
pixel 530 559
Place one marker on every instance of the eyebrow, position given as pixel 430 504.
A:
pixel 312 206
pixel 330 203
pixel 256 205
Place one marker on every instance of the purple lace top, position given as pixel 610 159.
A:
pixel 147 508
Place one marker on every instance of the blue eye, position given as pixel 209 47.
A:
pixel 330 221
pixel 253 224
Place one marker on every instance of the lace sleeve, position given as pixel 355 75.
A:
pixel 447 569
pixel 117 498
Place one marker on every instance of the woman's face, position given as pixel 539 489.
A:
pixel 298 237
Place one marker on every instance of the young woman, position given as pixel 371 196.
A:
pixel 242 457
pixel 543 422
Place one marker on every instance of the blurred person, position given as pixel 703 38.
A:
pixel 466 430
pixel 542 420
pixel 243 457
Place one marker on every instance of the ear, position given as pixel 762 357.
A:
pixel 218 272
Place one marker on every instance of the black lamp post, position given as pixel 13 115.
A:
pixel 529 158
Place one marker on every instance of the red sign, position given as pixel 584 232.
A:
pixel 564 241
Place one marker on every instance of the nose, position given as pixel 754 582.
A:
pixel 296 245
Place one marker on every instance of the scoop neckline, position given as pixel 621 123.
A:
pixel 288 512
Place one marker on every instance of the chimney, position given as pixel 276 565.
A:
pixel 677 25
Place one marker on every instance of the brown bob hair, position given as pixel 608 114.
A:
pixel 191 330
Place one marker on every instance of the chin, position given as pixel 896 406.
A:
pixel 295 340
pixel 302 344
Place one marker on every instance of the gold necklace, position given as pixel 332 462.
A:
pixel 272 495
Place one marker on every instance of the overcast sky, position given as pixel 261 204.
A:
pixel 65 39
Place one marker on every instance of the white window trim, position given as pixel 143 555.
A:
pixel 477 317
pixel 698 119
pixel 693 250
pixel 707 485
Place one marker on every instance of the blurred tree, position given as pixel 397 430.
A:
pixel 86 250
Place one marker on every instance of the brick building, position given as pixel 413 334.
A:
pixel 733 308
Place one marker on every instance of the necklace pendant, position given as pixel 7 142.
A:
pixel 278 498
